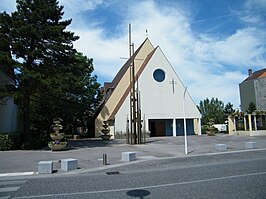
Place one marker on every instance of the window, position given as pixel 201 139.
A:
pixel 159 75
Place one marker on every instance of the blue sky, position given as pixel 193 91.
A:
pixel 210 43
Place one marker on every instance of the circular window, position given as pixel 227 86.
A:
pixel 159 75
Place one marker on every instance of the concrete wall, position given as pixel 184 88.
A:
pixel 9 121
pixel 247 94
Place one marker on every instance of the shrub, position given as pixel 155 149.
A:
pixel 5 142
pixel 16 140
pixel 204 129
pixel 31 143
pixel 35 142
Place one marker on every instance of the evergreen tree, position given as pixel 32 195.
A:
pixel 229 109
pixel 212 109
pixel 251 107
pixel 51 78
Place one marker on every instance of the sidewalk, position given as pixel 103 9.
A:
pixel 89 152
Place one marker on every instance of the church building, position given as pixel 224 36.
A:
pixel 163 99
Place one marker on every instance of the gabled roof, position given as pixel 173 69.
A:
pixel 114 88
pixel 256 75
pixel 124 68
pixel 121 73
pixel 122 99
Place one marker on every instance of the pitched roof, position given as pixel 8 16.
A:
pixel 111 86
pixel 125 94
pixel 124 68
pixel 256 75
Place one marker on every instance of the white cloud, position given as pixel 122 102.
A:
pixel 210 65
pixel 76 6
pixel 244 48
pixel 253 12
pixel 256 4
pixel 198 59
pixel 105 53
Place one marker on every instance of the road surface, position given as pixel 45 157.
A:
pixel 235 175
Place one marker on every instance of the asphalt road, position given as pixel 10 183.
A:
pixel 236 175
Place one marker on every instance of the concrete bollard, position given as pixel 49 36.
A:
pixel 250 145
pixel 69 164
pixel 45 167
pixel 220 147
pixel 128 156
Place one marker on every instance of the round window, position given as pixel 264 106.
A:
pixel 159 75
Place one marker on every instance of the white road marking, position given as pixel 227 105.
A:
pixel 16 174
pixel 145 187
pixel 9 186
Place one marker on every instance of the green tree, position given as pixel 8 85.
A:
pixel 212 109
pixel 51 78
pixel 251 107
pixel 229 109
pixel 77 99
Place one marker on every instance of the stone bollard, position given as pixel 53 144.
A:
pixel 220 147
pixel 250 145
pixel 45 167
pixel 128 156
pixel 69 164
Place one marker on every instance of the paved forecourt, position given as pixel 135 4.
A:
pixel 95 154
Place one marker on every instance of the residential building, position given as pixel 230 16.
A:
pixel 253 89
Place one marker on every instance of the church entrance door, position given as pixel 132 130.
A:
pixel 160 127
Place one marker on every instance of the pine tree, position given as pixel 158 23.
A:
pixel 37 53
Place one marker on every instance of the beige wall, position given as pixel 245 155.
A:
pixel 231 126
pixel 197 126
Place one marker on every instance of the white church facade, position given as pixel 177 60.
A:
pixel 163 98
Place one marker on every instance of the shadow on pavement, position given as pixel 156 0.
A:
pixel 138 193
pixel 91 143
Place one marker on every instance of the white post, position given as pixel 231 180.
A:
pixel 249 122
pixel 245 123
pixel 174 127
pixel 199 126
pixel 185 126
pixel 255 122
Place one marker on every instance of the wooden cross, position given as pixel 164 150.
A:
pixel 173 82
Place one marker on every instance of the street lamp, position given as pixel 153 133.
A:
pixel 185 126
